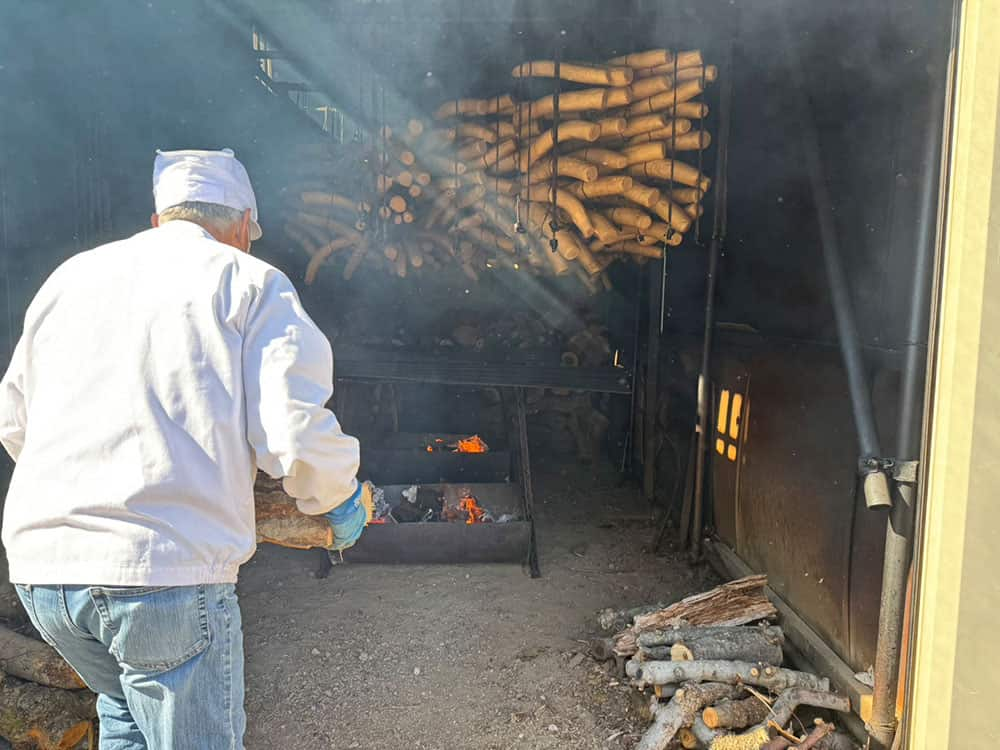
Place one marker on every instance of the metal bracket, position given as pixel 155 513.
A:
pixel 905 472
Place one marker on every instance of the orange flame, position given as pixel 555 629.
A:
pixel 474 444
pixel 470 506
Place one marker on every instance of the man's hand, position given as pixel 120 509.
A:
pixel 349 518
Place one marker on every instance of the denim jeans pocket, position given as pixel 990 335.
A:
pixel 155 628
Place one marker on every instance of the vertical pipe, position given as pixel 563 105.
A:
pixel 652 383
pixel 714 251
pixel 899 530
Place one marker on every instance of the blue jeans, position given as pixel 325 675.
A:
pixel 166 662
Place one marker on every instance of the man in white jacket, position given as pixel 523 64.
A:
pixel 153 377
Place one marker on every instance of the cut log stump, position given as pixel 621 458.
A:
pixel 36 661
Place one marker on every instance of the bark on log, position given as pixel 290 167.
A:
pixel 699 735
pixel 35 716
pixel 613 185
pixel 680 712
pixel 650 86
pixel 736 714
pixel 567 166
pixel 462 108
pixel 658 127
pixel 723 639
pixel 667 100
pixel 670 170
pixel 602 157
pixel 593 75
pixel 817 734
pixel 732 672
pixel 36 661
pixel 758 653
pixel 647 59
pixel 280 522
pixel 635 248
pixel 817 696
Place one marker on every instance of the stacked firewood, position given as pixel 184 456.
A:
pixel 42 701
pixel 566 184
pixel 713 662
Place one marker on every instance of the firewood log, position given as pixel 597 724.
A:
pixel 414 255
pixel 470 151
pixel 401 265
pixel 634 248
pixel 736 637
pixel 732 672
pixel 593 75
pixel 397 203
pixel 644 88
pixel 673 129
pixel 614 185
pixel 686 196
pixel 668 99
pixel 662 233
pixel 630 217
pixel 612 127
pixel 462 108
pixel 498 104
pixel 319 198
pixel 608 233
pixel 584 100
pixel 35 716
pixel 567 166
pixel 648 59
pixel 698 735
pixel 404 178
pixel 693 141
pixel 36 661
pixel 642 195
pixel 574 209
pixel 681 711
pixel 602 157
pixel 737 602
pixel 578 130
pixel 492 155
pixel 736 714
pixel 673 214
pixel 321 255
pixel 669 170
pixel 488 134
pixel 683 61
pixel 324 222
pixel 415 128
pixel 657 122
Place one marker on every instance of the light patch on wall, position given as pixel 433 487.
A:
pixel 728 424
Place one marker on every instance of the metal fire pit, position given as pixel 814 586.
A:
pixel 449 542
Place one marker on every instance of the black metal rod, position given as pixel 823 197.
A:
pixel 527 489
pixel 719 223
pixel 652 384
pixel 899 530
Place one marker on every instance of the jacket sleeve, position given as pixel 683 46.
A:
pixel 288 377
pixel 13 411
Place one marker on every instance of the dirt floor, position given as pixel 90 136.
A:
pixel 458 657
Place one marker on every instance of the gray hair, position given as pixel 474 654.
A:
pixel 208 215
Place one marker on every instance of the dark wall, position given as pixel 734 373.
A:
pixel 788 499
pixel 92 89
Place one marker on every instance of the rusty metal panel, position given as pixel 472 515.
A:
pixel 795 508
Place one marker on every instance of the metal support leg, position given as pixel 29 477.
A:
pixel 527 491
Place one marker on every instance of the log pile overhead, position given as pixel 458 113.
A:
pixel 714 663
pixel 601 170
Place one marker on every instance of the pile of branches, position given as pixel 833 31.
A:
pixel 713 663
pixel 43 703
pixel 562 185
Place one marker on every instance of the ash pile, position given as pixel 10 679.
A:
pixel 713 667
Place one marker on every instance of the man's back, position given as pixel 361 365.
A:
pixel 137 467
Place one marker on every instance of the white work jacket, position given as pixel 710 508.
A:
pixel 153 376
